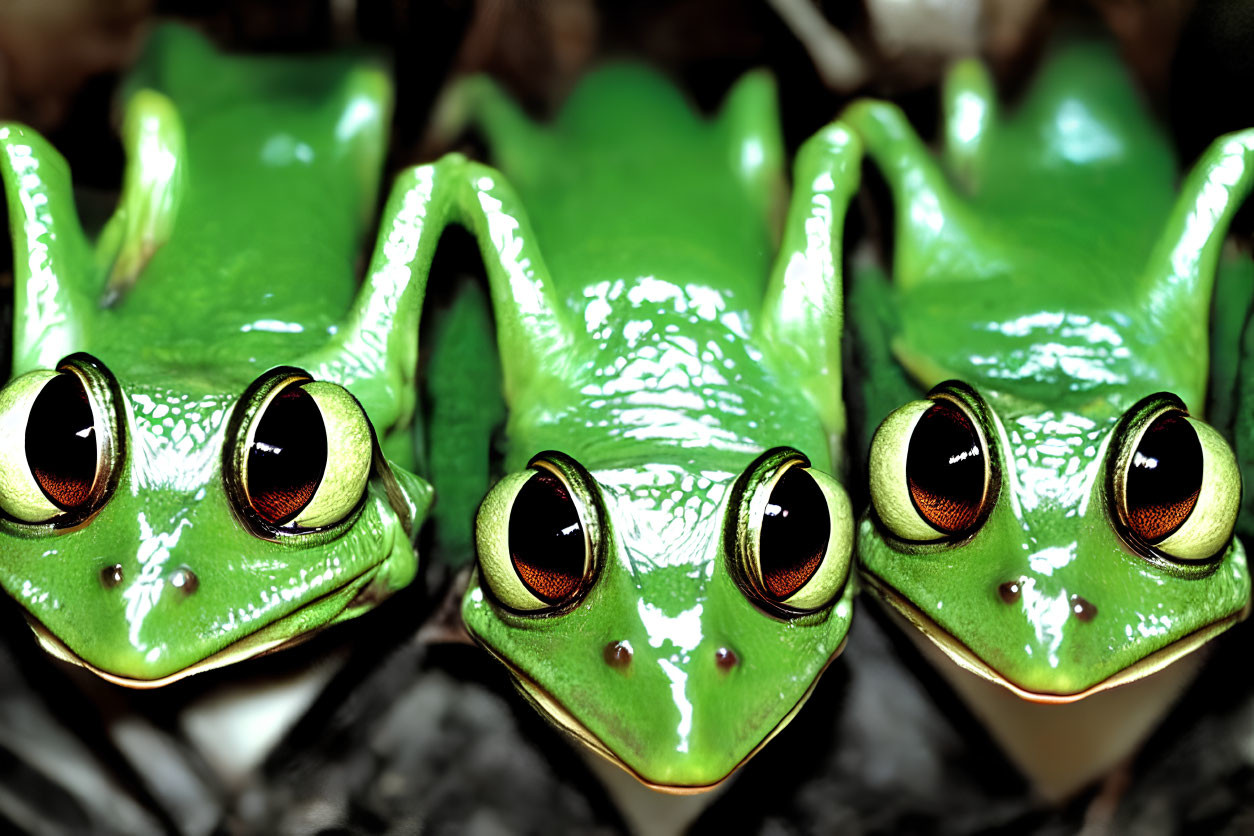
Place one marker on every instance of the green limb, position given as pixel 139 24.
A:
pixel 802 310
pixel 969 112
pixel 152 189
pixel 54 268
pixel 375 350
pixel 935 228
pixel 749 119
pixel 1180 274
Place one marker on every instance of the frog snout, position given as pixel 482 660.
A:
pixel 619 655
pixel 183 579
pixel 1079 607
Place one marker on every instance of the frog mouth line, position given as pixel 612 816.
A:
pixel 259 643
pixel 552 710
pixel 965 658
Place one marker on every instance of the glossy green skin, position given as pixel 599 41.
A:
pixel 1047 262
pixel 251 265
pixel 665 364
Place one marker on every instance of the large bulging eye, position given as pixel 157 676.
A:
pixel 61 444
pixel 55 445
pixel 535 539
pixel 1164 478
pixel 306 456
pixel 930 471
pixel 794 533
pixel 547 543
pixel 795 529
pixel 1177 487
pixel 287 456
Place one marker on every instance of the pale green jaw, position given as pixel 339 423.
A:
pixel 279 635
pixel 965 658
pixel 557 714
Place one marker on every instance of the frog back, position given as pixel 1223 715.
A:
pixel 658 227
pixel 275 168
pixel 629 182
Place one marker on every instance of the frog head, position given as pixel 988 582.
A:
pixel 191 466
pixel 1054 514
pixel 664 565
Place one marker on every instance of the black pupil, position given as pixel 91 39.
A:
pixel 945 469
pixel 288 456
pixel 61 442
pixel 1164 477
pixel 546 539
pixel 795 531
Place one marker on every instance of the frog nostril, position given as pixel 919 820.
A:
pixel 1082 609
pixel 1009 591
pixel 618 654
pixel 726 658
pixel 185 579
pixel 111 576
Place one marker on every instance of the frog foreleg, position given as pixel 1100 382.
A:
pixel 803 306
pixel 54 269
pixel 376 348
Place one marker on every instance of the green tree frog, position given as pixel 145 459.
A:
pixel 664 565
pixel 190 461
pixel 1053 515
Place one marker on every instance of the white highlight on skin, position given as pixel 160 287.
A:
pixel 1056 344
pixel 659 518
pixel 968 117
pixel 273 326
pixel 683 630
pixel 43 312
pixel 360 355
pixel 1047 615
pixel 751 154
pixel 925 209
pixel 1045 561
pixel 362 111
pixel 1080 137
pixel 284 149
pixel 679 680
pixel 666 386
pixel 1212 201
pixel 1047 449
pixel 142 595
pixel 186 457
pixel 1151 625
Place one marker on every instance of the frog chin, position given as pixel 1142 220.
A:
pixel 557 714
pixel 361 593
pixel 965 658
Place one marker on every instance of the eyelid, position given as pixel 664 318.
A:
pixel 890 492
pixel 498 574
pixel 822 587
pixel 22 498
pixel 747 502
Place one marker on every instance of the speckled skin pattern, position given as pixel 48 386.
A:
pixel 232 251
pixel 650 328
pixel 1060 313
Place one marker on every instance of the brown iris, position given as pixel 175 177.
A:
pixel 946 469
pixel 1164 478
pixel 795 529
pixel 288 456
pixel 546 539
pixel 61 443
